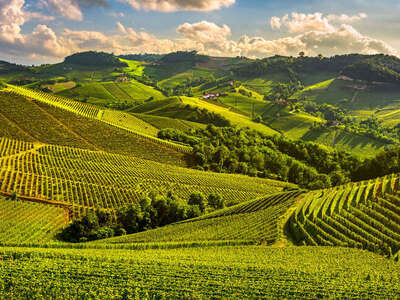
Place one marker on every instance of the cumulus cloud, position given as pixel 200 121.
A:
pixel 317 33
pixel 343 18
pixel 67 8
pixel 72 9
pixel 176 5
pixel 297 22
pixel 41 41
pixel 314 34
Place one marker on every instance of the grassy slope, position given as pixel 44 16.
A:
pixel 341 140
pixel 165 122
pixel 27 222
pixel 235 118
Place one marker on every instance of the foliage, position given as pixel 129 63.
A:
pixel 250 152
pixel 26 222
pixel 384 163
pixel 149 212
pixel 143 57
pixel 94 59
pixel 94 179
pixel 370 71
pixel 184 56
pixel 197 272
pixel 257 220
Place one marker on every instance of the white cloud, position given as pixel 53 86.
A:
pixel 67 8
pixel 275 23
pixel 116 14
pixel 176 5
pixel 296 23
pixel 313 34
pixel 346 18
pixel 121 27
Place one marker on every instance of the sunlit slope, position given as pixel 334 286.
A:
pixel 182 108
pixel 363 215
pixel 36 121
pixel 90 179
pixel 339 139
pixel 238 272
pixel 257 221
pixel 233 117
pixel 28 222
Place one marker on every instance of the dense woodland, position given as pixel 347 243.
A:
pixel 310 165
pixel 249 152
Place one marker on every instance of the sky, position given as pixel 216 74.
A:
pixel 45 31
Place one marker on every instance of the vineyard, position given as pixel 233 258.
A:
pixel 258 221
pixel 35 121
pixel 118 119
pixel 363 215
pixel 87 179
pixel 197 273
pixel 27 222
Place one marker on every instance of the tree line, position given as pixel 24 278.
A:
pixel 151 211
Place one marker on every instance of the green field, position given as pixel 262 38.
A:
pixel 361 215
pixel 96 179
pixel 197 273
pixel 256 221
pixel 37 121
pixel 29 222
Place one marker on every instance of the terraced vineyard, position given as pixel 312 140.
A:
pixel 97 179
pixel 257 221
pixel 27 222
pixel 36 121
pixel 79 108
pixel 364 215
pixel 115 118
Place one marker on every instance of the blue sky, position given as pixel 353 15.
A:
pixel 35 31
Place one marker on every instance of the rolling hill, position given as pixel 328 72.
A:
pixel 84 136
pixel 87 179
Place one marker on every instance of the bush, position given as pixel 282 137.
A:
pixel 198 199
pixel 216 201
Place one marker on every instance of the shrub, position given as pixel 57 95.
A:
pixel 198 199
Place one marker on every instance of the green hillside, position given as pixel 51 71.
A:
pixel 96 179
pixel 258 221
pixel 198 272
pixel 29 222
pixel 185 176
pixel 36 121
pixel 361 215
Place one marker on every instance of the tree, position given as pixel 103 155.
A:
pixel 198 199
pixel 320 56
pixel 215 201
pixel 302 54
